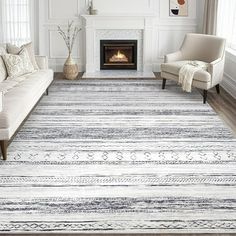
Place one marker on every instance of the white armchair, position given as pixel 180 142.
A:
pixel 206 48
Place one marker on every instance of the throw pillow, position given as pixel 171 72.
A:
pixel 3 70
pixel 12 49
pixel 18 65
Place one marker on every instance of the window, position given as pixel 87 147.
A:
pixel 226 25
pixel 16 21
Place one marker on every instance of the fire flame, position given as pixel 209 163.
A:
pixel 119 57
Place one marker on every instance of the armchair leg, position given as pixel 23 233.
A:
pixel 204 96
pixel 218 88
pixel 4 149
pixel 47 92
pixel 163 83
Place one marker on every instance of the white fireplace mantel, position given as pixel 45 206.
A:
pixel 118 27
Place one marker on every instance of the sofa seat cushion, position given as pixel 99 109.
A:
pixel 21 98
pixel 9 84
pixel 174 68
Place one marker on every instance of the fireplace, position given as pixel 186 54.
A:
pixel 118 54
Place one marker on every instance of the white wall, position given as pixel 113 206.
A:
pixel 168 31
pixel 229 81
pixel 200 14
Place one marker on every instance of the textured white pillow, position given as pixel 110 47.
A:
pixel 3 70
pixel 18 65
pixel 12 49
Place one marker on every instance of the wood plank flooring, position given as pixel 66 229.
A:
pixel 225 106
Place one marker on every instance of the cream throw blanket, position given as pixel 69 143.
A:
pixel 187 72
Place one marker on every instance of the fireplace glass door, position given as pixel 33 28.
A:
pixel 118 54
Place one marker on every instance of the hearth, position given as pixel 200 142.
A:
pixel 118 54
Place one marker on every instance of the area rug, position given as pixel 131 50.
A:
pixel 120 156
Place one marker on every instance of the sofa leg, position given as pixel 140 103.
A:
pixel 4 149
pixel 163 83
pixel 218 88
pixel 47 92
pixel 204 96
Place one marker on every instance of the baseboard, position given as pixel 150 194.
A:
pixel 229 84
pixel 58 67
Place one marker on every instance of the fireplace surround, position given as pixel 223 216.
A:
pixel 118 27
pixel 118 54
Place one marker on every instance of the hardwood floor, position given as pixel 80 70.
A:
pixel 223 104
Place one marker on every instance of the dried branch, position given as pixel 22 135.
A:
pixel 76 31
pixel 69 35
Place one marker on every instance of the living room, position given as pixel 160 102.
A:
pixel 118 117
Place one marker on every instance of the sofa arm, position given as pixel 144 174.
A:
pixel 176 56
pixel 42 62
pixel 216 69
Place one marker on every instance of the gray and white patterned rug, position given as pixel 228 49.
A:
pixel 120 156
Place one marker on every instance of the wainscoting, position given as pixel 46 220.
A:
pixel 229 82
pixel 167 32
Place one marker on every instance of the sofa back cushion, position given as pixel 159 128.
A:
pixel 3 70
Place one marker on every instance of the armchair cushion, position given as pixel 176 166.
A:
pixel 176 56
pixel 174 68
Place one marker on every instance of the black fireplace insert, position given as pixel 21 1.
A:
pixel 118 54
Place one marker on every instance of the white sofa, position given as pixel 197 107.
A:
pixel 19 97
